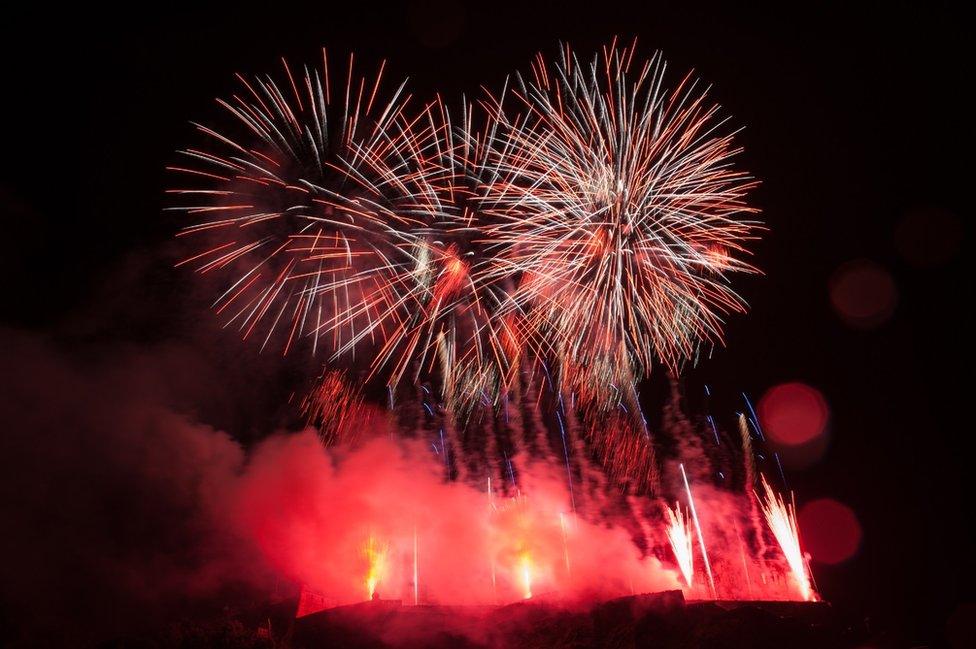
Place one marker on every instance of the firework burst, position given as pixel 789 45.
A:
pixel 679 536
pixel 279 211
pixel 460 324
pixel 618 209
pixel 589 232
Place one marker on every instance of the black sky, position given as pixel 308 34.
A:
pixel 855 119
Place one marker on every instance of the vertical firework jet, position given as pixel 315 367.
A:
pixel 374 552
pixel 698 531
pixel 781 517
pixel 679 535
pixel 416 568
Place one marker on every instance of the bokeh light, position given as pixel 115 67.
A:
pixel 863 294
pixel 793 413
pixel 830 530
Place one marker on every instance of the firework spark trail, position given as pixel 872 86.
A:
pixel 569 470
pixel 753 417
pixel 335 408
pixel 562 529
pixel 494 576
pixel 781 517
pixel 698 530
pixel 532 437
pixel 593 478
pixel 679 534
pixel 459 466
pixel 742 557
pixel 749 463
pixel 416 569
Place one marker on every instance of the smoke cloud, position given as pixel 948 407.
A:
pixel 314 511
pixel 123 511
pixel 114 504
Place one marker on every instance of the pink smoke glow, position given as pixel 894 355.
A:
pixel 319 514
pixel 204 520
pixel 311 511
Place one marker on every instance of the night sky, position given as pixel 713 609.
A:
pixel 854 121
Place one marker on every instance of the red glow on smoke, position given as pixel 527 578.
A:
pixel 313 511
pixel 379 519
pixel 831 532
pixel 793 413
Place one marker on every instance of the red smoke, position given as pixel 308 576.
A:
pixel 122 512
pixel 312 511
